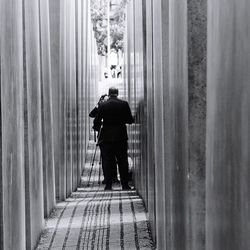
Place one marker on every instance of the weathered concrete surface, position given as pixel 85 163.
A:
pixel 82 104
pixel 73 68
pixel 134 92
pixel 78 132
pixel 228 126
pixel 33 126
pixel 69 64
pixel 47 116
pixel 162 40
pixel 197 52
pixel 158 146
pixel 37 64
pixel 12 158
pixel 77 136
pixel 139 159
pixel 56 84
pixel 150 117
pixel 177 148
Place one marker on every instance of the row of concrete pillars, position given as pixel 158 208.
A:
pixel 48 83
pixel 188 82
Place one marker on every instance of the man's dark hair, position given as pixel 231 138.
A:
pixel 113 91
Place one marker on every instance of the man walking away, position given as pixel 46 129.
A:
pixel 115 114
pixel 93 114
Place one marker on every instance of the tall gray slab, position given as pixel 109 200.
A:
pixel 32 122
pixel 88 78
pixel 143 102
pixel 54 16
pixel 12 161
pixel 73 99
pixel 160 197
pixel 78 135
pixel 228 126
pixel 61 176
pixel 131 79
pixel 140 104
pixel 69 103
pixel 47 116
pixel 84 81
pixel 178 95
pixel 197 52
pixel 81 91
pixel 150 116
pixel 170 122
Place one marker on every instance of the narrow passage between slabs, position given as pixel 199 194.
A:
pixel 96 219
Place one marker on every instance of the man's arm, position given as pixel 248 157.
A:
pixel 98 120
pixel 129 118
pixel 93 112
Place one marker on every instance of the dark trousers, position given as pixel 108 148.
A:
pixel 117 150
pixel 113 168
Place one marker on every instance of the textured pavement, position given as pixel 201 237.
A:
pixel 96 219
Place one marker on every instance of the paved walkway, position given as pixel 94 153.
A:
pixel 95 219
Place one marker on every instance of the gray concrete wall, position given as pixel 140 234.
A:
pixel 165 73
pixel 138 145
pixel 158 146
pixel 12 127
pixel 70 84
pixel 32 125
pixel 177 115
pixel 197 143
pixel 79 84
pixel 47 116
pixel 71 47
pixel 150 115
pixel 40 60
pixel 197 83
pixel 228 126
pixel 54 13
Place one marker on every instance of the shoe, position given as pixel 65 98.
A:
pixel 108 188
pixel 126 187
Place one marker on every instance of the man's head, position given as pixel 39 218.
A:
pixel 113 92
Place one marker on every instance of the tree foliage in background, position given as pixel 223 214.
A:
pixel 117 25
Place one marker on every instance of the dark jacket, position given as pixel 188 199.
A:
pixel 93 112
pixel 115 114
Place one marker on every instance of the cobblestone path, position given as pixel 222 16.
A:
pixel 96 219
